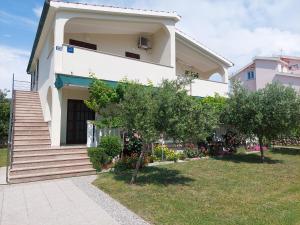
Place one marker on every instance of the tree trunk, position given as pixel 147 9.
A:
pixel 137 167
pixel 261 150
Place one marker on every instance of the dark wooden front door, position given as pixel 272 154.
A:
pixel 78 114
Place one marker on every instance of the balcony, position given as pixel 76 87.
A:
pixel 203 88
pixel 84 62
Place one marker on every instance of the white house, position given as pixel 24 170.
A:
pixel 75 40
pixel 263 70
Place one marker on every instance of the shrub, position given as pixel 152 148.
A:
pixel 191 153
pixel 98 157
pixel 112 145
pixel 181 156
pixel 168 154
pixel 129 162
pixel 160 152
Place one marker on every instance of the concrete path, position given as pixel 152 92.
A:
pixel 55 202
pixel 2 175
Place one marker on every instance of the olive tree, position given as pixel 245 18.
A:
pixel 137 108
pixel 265 114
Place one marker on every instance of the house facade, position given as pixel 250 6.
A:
pixel 264 70
pixel 75 41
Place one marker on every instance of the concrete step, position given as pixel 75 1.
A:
pixel 27 101
pixel 31 146
pixel 26 94
pixel 50 169
pixel 67 147
pixel 29 120
pixel 48 156
pixel 28 117
pixel 28 107
pixel 31 132
pixel 31 124
pixel 32 142
pixel 21 152
pixel 31 137
pixel 28 113
pixel 49 176
pixel 50 162
pixel 38 128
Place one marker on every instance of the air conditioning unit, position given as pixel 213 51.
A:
pixel 144 43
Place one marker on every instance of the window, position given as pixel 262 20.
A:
pixel 250 75
pixel 83 44
pixel 132 55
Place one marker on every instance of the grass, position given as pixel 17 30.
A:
pixel 232 190
pixel 3 156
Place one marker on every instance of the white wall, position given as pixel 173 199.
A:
pixel 109 67
pixel 46 76
pixel 119 44
pixel 203 88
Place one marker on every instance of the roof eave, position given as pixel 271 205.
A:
pixel 38 33
pixel 114 10
pixel 201 47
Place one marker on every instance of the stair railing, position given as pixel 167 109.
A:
pixel 10 129
pixel 22 86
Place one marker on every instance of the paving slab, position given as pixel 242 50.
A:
pixel 55 202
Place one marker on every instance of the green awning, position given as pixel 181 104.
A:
pixel 78 81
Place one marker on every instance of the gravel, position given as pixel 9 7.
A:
pixel 117 211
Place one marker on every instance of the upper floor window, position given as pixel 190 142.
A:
pixel 250 75
pixel 83 44
pixel 132 55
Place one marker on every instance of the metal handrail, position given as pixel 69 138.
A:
pixel 10 148
pixel 10 129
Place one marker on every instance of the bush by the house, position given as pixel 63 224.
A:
pixel 162 152
pixel 111 145
pixel 191 153
pixel 129 162
pixel 98 157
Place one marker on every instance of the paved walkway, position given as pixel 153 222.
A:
pixel 59 202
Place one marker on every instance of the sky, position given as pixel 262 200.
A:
pixel 236 29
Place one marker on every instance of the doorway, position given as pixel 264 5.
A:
pixel 77 115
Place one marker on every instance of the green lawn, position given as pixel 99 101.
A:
pixel 234 190
pixel 3 156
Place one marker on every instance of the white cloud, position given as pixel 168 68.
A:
pixel 12 60
pixel 236 29
pixel 37 11
pixel 9 18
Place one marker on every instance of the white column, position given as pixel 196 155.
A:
pixel 172 45
pixel 56 116
pixel 224 73
pixel 59 29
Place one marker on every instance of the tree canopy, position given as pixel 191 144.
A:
pixel 4 115
pixel 265 114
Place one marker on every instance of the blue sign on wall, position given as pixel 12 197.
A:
pixel 70 49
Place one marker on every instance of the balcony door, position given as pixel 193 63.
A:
pixel 77 115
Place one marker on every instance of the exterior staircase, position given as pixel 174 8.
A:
pixel 32 157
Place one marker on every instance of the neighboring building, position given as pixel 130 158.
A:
pixel 264 70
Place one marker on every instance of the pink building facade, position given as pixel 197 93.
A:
pixel 264 70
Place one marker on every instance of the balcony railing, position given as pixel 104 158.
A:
pixel 203 88
pixel 83 62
